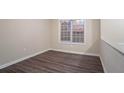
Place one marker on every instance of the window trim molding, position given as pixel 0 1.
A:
pixel 69 42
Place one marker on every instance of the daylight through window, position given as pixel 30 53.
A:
pixel 72 30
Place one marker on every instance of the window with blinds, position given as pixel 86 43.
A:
pixel 72 30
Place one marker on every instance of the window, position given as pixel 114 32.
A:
pixel 72 31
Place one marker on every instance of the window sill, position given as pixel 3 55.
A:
pixel 71 43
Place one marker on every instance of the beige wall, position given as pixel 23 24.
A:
pixel 92 36
pixel 112 30
pixel 21 38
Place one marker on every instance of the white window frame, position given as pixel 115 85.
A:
pixel 70 42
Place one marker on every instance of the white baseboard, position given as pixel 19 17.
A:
pixel 103 65
pixel 82 53
pixel 21 59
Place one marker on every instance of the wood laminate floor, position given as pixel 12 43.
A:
pixel 57 62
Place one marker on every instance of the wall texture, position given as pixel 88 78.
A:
pixel 21 38
pixel 92 37
pixel 112 30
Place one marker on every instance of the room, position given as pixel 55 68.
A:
pixel 61 45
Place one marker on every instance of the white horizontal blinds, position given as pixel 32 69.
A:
pixel 78 31
pixel 65 30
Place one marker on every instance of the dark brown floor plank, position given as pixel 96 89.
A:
pixel 57 62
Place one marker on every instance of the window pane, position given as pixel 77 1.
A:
pixel 65 30
pixel 78 31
